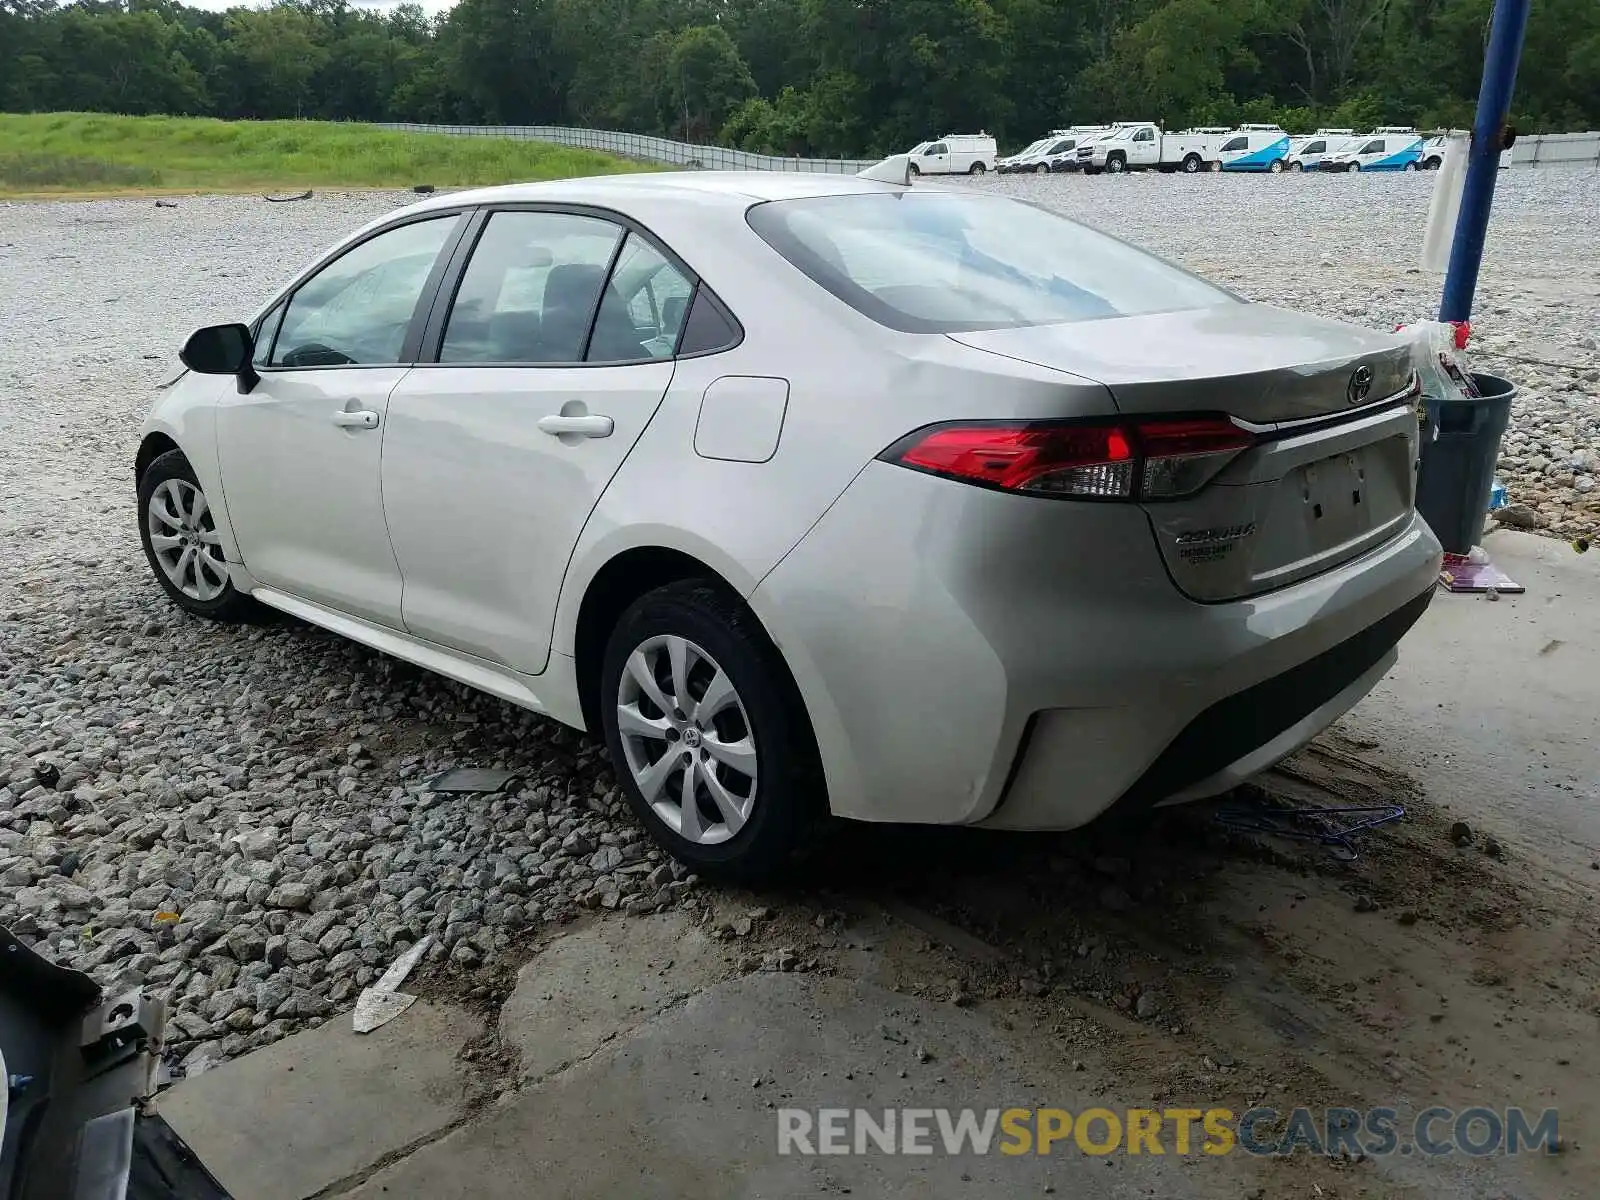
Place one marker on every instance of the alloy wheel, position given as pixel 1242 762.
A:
pixel 184 540
pixel 687 739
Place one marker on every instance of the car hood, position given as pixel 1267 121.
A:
pixel 1253 361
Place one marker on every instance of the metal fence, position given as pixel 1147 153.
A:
pixel 640 146
pixel 1551 149
pixel 1533 150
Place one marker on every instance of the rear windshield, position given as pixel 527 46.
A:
pixel 949 262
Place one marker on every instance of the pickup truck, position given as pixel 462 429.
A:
pixel 1142 146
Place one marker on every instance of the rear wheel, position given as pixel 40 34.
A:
pixel 1277 166
pixel 181 542
pixel 1192 164
pixel 976 168
pixel 707 732
pixel 1411 166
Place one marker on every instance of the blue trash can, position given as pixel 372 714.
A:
pixel 1460 446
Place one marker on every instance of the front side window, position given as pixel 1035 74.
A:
pixel 938 148
pixel 530 291
pixel 1237 143
pixel 932 262
pixel 1315 148
pixel 358 309
pixel 1372 148
pixel 1060 147
pixel 1145 135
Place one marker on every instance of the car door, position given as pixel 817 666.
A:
pixel 1144 147
pixel 551 359
pixel 300 451
pixel 936 159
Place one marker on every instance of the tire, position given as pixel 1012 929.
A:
pixel 1433 164
pixel 915 170
pixel 777 801
pixel 1298 167
pixel 1116 164
pixel 1277 166
pixel 1042 169
pixel 1411 166
pixel 1192 164
pixel 1356 167
pixel 167 493
pixel 976 168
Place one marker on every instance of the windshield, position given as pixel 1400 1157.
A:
pixel 948 262
pixel 1033 148
pixel 919 148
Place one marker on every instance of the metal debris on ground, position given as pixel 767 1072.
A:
pixel 472 779
pixel 305 195
pixel 1334 828
pixel 381 1003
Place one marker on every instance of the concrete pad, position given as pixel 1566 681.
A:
pixel 601 981
pixel 289 1120
pixel 1493 704
pixel 685 1107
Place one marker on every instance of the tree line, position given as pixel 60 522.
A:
pixel 850 78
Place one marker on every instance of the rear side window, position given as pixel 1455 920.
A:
pixel 950 262
pixel 708 327
pixel 530 291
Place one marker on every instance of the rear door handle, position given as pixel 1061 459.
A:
pixel 587 426
pixel 363 418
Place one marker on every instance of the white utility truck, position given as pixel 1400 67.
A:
pixel 954 154
pixel 1142 146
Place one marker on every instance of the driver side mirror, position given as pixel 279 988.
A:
pixel 222 350
pixel 218 350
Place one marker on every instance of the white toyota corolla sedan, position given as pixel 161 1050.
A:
pixel 811 494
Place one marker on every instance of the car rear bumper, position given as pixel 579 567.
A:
pixel 968 656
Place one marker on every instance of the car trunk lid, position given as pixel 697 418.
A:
pixel 1332 473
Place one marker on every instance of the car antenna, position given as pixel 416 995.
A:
pixel 895 169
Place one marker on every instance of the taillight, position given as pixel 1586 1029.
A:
pixel 1157 459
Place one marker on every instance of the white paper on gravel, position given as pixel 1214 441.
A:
pixel 382 1002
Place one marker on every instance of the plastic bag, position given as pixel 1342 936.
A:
pixel 1438 351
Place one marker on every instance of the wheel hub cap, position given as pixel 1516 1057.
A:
pixel 687 740
pixel 184 540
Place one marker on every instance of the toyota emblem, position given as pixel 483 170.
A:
pixel 1360 384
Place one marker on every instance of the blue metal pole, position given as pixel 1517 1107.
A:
pixel 1510 23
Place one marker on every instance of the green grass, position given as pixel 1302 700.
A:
pixel 67 153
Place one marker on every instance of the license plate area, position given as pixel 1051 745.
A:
pixel 1335 497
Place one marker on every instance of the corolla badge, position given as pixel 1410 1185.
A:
pixel 1360 384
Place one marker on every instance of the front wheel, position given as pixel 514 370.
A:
pixel 915 170
pixel 181 542
pixel 1297 166
pixel 707 732
pixel 1277 166
pixel 1356 167
pixel 1042 169
pixel 1116 165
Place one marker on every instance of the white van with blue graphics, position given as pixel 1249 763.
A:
pixel 1386 149
pixel 1254 148
pixel 1307 151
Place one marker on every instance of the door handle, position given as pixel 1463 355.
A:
pixel 360 419
pixel 585 426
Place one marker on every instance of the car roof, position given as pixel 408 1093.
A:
pixel 735 189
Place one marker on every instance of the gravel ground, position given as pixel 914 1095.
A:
pixel 266 785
